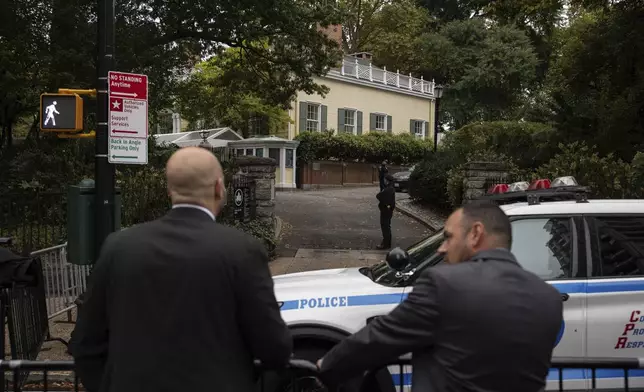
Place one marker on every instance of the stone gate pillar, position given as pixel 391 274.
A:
pixel 262 170
pixel 479 176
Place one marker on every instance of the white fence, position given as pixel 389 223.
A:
pixel 382 76
pixel 64 282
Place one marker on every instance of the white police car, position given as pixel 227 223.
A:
pixel 591 250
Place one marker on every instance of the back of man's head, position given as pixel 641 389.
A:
pixel 494 220
pixel 195 177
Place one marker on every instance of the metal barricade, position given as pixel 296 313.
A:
pixel 566 374
pixel 64 282
pixel 67 380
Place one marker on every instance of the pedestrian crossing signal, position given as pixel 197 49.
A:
pixel 61 112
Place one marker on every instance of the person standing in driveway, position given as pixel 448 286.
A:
pixel 386 205
pixel 181 303
pixel 477 323
pixel 382 173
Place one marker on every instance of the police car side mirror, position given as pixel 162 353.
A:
pixel 397 259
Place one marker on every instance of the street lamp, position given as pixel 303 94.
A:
pixel 438 93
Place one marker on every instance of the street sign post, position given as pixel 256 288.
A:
pixel 61 112
pixel 128 118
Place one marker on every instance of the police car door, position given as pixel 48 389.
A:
pixel 616 294
pixel 550 247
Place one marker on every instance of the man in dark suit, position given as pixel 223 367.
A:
pixel 386 205
pixel 382 173
pixel 480 322
pixel 181 303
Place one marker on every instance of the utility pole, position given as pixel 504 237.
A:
pixel 104 171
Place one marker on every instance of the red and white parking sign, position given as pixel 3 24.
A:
pixel 128 119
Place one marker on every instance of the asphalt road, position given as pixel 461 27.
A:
pixel 339 218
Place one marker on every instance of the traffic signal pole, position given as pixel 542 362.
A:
pixel 104 171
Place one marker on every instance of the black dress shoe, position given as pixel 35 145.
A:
pixel 383 247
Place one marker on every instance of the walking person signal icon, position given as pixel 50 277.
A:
pixel 49 111
pixel 61 112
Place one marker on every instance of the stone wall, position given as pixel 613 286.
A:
pixel 479 176
pixel 262 170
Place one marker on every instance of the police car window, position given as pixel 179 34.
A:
pixel 544 246
pixel 621 246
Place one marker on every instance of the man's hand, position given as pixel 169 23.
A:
pixel 319 363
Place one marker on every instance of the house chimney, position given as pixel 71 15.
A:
pixel 333 32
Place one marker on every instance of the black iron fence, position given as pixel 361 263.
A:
pixel 37 220
pixel 300 375
pixel 34 219
pixel 566 374
pixel 42 379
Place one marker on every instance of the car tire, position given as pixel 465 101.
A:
pixel 282 382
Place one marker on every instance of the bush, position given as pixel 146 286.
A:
pixel 428 181
pixel 607 177
pixel 262 230
pixel 373 147
pixel 525 143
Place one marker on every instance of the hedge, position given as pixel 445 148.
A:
pixel 528 144
pixel 373 147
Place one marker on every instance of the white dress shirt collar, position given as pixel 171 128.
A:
pixel 204 209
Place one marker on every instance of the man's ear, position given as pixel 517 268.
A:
pixel 477 233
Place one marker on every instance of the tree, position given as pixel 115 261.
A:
pixel 212 97
pixel 488 70
pixel 596 84
pixel 396 48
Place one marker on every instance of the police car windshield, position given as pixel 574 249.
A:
pixel 421 254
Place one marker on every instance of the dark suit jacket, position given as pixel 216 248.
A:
pixel 179 304
pixel 482 325
pixel 387 199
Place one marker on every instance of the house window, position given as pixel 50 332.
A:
pixel 289 157
pixel 240 152
pixel 350 121
pixel 259 152
pixel 275 154
pixel 312 117
pixel 381 122
pixel 419 129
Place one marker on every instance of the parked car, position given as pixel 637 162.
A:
pixel 401 179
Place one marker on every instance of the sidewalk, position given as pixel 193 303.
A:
pixel 316 259
pixel 422 214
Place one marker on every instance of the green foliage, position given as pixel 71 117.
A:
pixel 373 147
pixel 596 81
pixel 608 177
pixel 428 181
pixel 209 97
pixel 263 231
pixel 526 144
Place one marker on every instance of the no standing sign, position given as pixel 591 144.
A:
pixel 128 119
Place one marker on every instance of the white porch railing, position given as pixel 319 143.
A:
pixel 377 75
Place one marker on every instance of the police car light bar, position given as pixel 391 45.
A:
pixel 543 183
pixel 519 186
pixel 560 189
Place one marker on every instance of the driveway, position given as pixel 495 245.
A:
pixel 339 218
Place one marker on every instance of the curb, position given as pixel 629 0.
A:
pixel 418 218
pixel 277 228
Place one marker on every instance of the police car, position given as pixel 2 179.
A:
pixel 592 251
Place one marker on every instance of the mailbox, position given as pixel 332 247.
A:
pixel 81 222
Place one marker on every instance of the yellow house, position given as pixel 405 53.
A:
pixel 364 98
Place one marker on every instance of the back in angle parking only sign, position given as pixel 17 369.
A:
pixel 128 119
